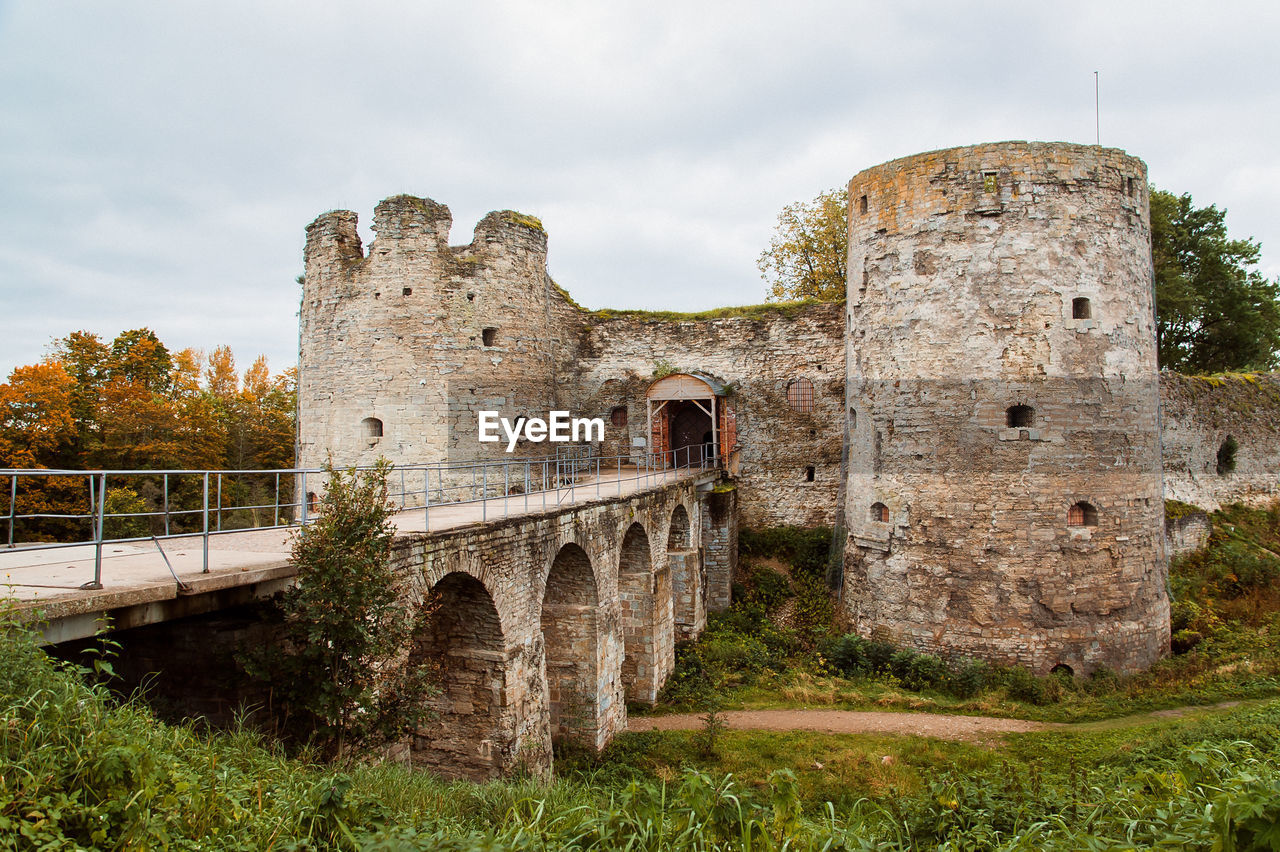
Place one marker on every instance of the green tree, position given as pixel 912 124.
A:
pixel 1214 312
pixel 347 625
pixel 809 251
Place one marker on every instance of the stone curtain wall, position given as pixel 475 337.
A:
pixel 758 356
pixel 964 270
pixel 1199 414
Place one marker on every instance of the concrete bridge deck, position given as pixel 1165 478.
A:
pixel 244 565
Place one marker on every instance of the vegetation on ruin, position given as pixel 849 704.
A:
pixel 767 311
pixel 132 404
pixel 524 220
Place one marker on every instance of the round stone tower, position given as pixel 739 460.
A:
pixel 1004 495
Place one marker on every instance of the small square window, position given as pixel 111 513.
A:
pixel 1081 309
pixel 990 183
pixel 489 337
pixel 407 291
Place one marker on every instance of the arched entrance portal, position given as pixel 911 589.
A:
pixel 690 420
pixel 462 642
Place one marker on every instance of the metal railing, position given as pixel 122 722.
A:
pixel 208 503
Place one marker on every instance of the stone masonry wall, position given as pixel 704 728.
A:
pixel 1198 415
pixel 986 401
pixel 419 336
pixel 758 356
pixel 543 598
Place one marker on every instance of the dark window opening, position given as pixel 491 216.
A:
pixel 853 419
pixel 489 337
pixel 471 297
pixel 1227 456
pixel 990 183
pixel 1130 185
pixel 618 416
pixel 1020 416
pixel 862 204
pixel 407 291
pixel 1082 515
pixel 880 513
pixel 809 473
pixel 1081 309
pixel 813 433
pixel 313 502
pixel 800 395
pixel 377 295
pixel 372 427
pixel 1062 670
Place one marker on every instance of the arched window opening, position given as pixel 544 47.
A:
pixel 880 513
pixel 1082 515
pixel 1081 308
pixel 1227 456
pixel 1020 416
pixel 1062 670
pixel 372 427
pixel 800 395
pixel 853 419
pixel 618 416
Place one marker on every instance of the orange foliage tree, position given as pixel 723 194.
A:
pixel 132 405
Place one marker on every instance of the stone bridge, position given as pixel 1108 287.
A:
pixel 547 626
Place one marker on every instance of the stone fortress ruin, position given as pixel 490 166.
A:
pixel 982 420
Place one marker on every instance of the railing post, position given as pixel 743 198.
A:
pixel 526 486
pixel 166 505
pixel 302 501
pixel 402 488
pixel 205 531
pixel 426 497
pixel 275 517
pixel 219 502
pixel 13 502
pixel 506 486
pixel 97 548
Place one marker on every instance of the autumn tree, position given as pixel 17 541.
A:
pixel 131 404
pixel 1214 309
pixel 807 255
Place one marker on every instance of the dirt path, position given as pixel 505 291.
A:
pixel 967 728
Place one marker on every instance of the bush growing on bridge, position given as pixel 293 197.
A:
pixel 346 625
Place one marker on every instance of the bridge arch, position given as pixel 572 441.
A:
pixel 461 643
pixel 685 563
pixel 644 596
pixel 571 643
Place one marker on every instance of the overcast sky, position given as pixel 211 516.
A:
pixel 159 161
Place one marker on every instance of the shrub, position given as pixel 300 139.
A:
pixel 804 549
pixel 1022 685
pixel 1183 641
pixel 970 678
